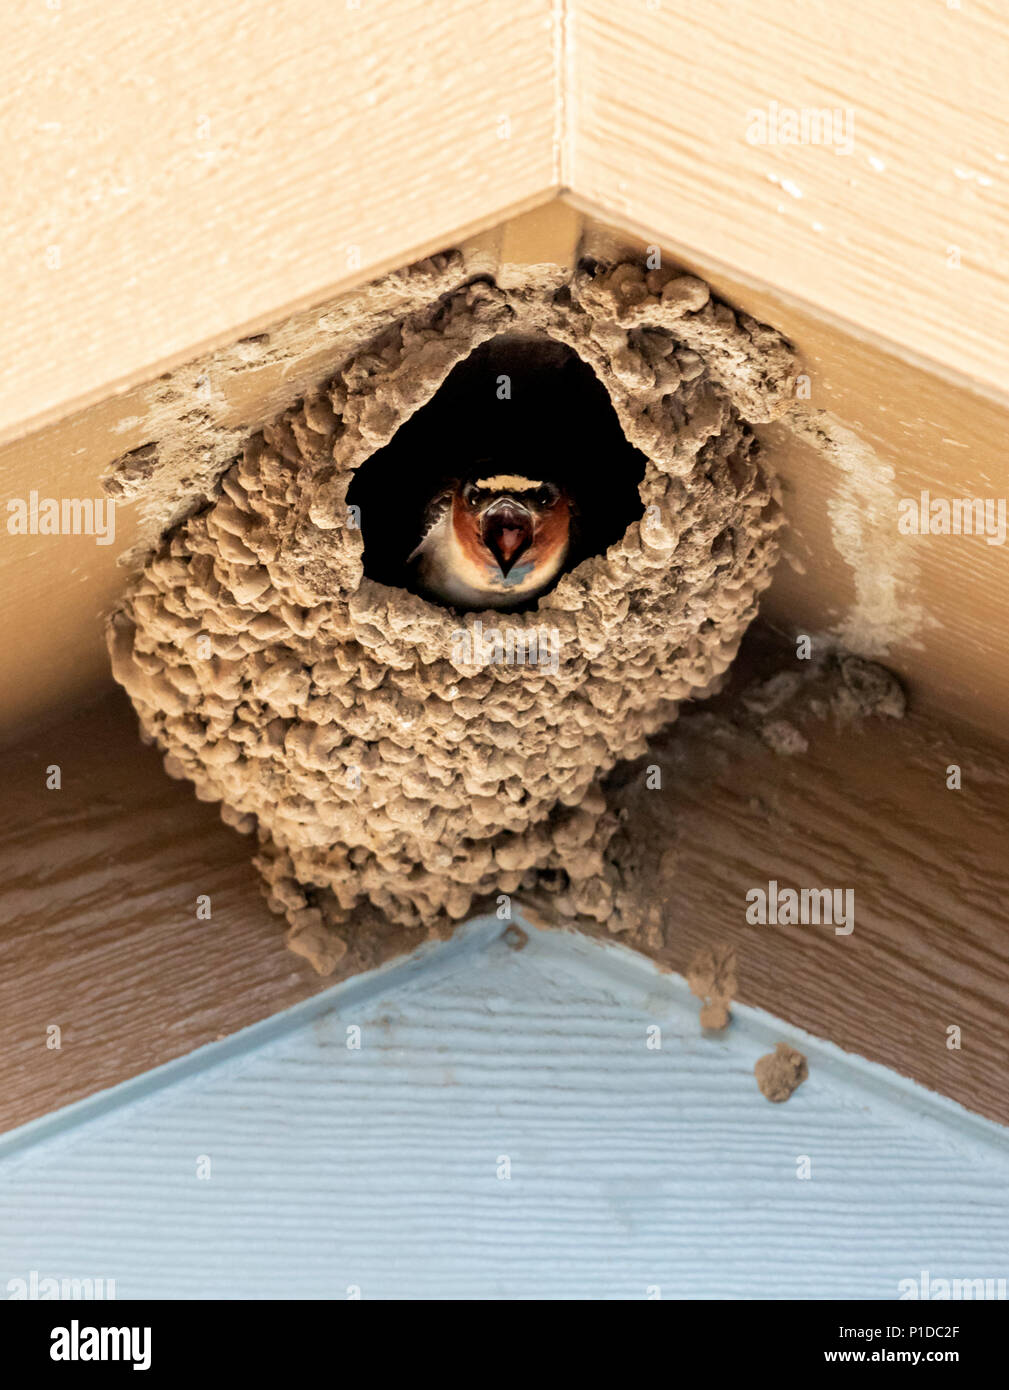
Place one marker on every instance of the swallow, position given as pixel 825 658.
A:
pixel 493 542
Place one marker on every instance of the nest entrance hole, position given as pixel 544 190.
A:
pixel 516 404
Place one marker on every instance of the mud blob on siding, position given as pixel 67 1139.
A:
pixel 395 756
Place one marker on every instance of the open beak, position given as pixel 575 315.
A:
pixel 507 530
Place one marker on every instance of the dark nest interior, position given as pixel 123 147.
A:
pixel 552 421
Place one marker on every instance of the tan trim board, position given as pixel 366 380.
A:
pixel 193 176
pixel 198 168
pixel 704 122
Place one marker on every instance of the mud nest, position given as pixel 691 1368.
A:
pixel 393 755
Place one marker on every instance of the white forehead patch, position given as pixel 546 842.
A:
pixel 508 482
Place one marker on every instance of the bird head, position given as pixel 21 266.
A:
pixel 494 541
pixel 516 527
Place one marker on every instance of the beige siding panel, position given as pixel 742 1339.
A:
pixel 176 175
pixel 663 103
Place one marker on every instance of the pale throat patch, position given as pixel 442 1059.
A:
pixel 508 482
pixel 467 577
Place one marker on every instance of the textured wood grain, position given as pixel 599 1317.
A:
pixel 98 900
pixel 865 807
pixel 662 100
pixel 98 888
pixel 634 1172
pixel 198 170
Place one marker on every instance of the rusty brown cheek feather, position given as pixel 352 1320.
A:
pixel 552 533
pixel 467 532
